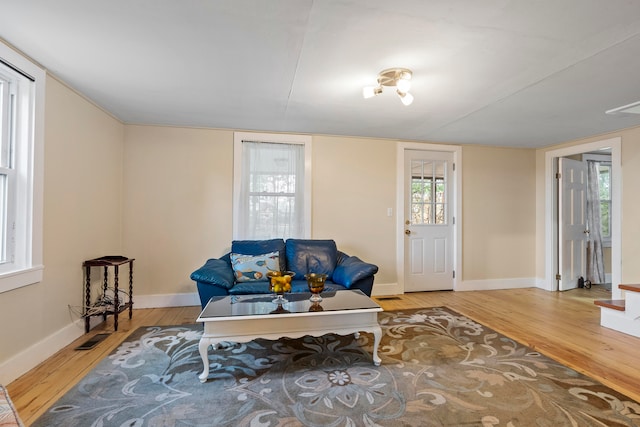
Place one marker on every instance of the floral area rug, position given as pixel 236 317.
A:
pixel 438 369
pixel 8 415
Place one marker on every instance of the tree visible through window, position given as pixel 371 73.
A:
pixel 428 196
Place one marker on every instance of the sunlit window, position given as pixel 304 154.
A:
pixel 21 169
pixel 271 186
pixel 604 182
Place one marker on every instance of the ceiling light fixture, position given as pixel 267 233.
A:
pixel 400 78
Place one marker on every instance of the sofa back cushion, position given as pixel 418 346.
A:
pixel 311 256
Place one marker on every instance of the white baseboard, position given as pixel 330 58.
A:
pixel 165 300
pixel 29 358
pixel 384 289
pixel 493 284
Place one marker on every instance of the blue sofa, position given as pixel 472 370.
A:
pixel 223 276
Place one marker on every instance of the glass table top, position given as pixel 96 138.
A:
pixel 298 303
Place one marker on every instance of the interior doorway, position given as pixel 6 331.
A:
pixel 552 256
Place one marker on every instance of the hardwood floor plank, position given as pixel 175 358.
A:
pixel 562 325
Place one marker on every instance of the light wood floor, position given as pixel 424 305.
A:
pixel 563 325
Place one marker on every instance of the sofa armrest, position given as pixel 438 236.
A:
pixel 216 272
pixel 351 269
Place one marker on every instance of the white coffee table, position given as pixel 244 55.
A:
pixel 244 318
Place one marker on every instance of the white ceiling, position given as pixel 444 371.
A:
pixel 517 73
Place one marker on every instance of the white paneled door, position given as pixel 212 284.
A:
pixel 428 220
pixel 572 196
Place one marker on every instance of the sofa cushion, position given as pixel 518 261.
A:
pixel 259 247
pixel 215 272
pixel 254 268
pixel 311 256
pixel 351 269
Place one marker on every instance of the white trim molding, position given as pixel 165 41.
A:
pixel 166 300
pixel 37 353
pixel 385 289
pixel 493 284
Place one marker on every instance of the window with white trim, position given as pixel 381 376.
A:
pixel 272 186
pixel 604 186
pixel 21 169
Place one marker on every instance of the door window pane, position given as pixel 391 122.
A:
pixel 428 192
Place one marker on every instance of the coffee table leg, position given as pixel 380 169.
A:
pixel 377 336
pixel 203 347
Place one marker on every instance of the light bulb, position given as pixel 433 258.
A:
pixel 369 92
pixel 406 98
pixel 403 85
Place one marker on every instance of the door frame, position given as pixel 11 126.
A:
pixel 550 214
pixel 400 208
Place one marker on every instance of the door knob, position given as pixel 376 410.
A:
pixel 407 232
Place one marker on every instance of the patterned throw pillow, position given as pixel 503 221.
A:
pixel 254 268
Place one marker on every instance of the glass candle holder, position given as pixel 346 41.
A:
pixel 316 285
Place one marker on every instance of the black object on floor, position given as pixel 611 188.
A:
pixel 91 342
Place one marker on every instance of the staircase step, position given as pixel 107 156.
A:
pixel 616 304
pixel 633 288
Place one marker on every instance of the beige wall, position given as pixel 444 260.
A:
pixel 177 203
pixel 82 217
pixel 630 206
pixel 499 223
pixel 353 186
pixel 178 195
pixel 178 192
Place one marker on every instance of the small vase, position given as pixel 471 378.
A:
pixel 316 285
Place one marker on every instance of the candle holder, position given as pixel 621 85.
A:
pixel 316 285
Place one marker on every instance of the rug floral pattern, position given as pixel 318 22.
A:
pixel 438 369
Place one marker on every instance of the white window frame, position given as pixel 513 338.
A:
pixel 25 265
pixel 305 140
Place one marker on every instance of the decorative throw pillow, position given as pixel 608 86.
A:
pixel 254 268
